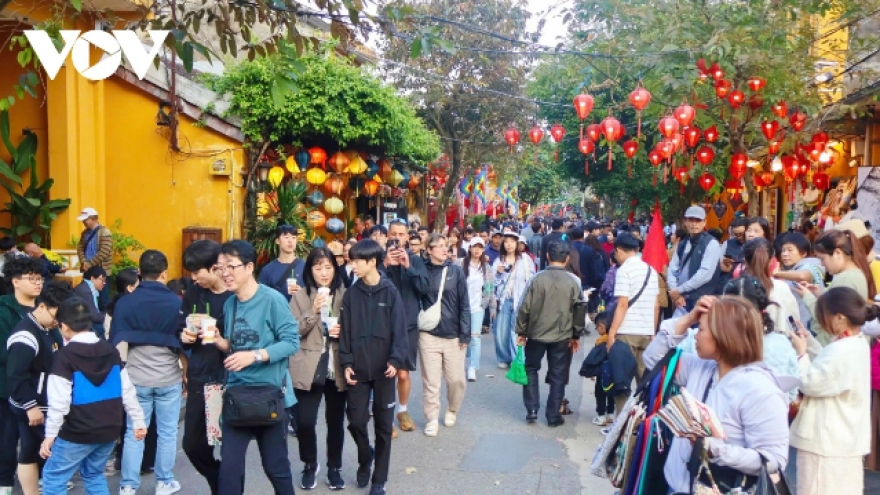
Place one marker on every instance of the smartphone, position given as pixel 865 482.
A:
pixel 794 327
pixel 393 244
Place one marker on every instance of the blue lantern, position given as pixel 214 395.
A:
pixel 334 225
pixel 303 157
pixel 372 168
pixel 315 198
pixel 318 243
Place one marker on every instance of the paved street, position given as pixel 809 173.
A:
pixel 490 451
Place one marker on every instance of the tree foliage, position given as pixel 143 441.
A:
pixel 334 104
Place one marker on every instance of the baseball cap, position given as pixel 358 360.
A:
pixel 478 240
pixel 86 213
pixel 521 238
pixel 497 232
pixel 695 212
pixel 855 226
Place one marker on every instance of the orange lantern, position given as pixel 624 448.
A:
pixel 767 177
pixel 780 109
pixel 722 88
pixel 316 219
pixel 385 169
pixel 318 156
pixel 334 184
pixel 413 183
pixel 371 187
pixel 756 83
pixel 668 126
pixel 511 136
pixel 338 162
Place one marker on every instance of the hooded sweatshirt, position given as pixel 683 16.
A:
pixel 373 333
pixel 11 312
pixel 749 402
pixel 87 392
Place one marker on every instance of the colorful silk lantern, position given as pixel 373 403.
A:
pixel 756 83
pixel 316 219
pixel 583 105
pixel 395 178
pixel 739 162
pixel 316 176
pixel 711 134
pixel 291 165
pixel 774 146
pixel 413 183
pixel 639 98
pixel 372 168
pixel 371 187
pixel 655 158
pixel 736 99
pixel 705 155
pixel 276 175
pixel 821 180
pixel 790 167
pixel 356 184
pixel 685 114
pixel 338 162
pixel 681 175
pixel 629 149
pixel 769 128
pixel 707 181
pixel 586 147
pixel 780 109
pixel 594 132
pixel 318 157
pixel 678 141
pixel 511 137
pixel 536 134
pixel 767 177
pixel 722 88
pixel 334 184
pixel 820 137
pixel 315 198
pixel 557 132
pixel 303 158
pixel 385 170
pixel 668 126
pixel 613 131
pixel 692 136
pixel 334 225
pixel 666 148
pixel 356 163
pixel 333 205
pixel 797 120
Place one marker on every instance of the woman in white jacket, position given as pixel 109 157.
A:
pixel 512 274
pixel 832 431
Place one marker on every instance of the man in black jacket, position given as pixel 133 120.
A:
pixel 94 281
pixel 407 271
pixel 372 347
pixel 554 236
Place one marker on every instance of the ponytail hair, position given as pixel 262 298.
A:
pixel 847 302
pixel 752 290
pixel 849 244
pixel 757 254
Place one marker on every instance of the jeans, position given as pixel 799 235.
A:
pixel 67 457
pixel 556 358
pixel 195 441
pixel 272 442
pixel 8 444
pixel 505 345
pixel 475 348
pixel 166 402
pixel 307 405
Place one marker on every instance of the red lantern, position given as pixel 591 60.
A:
pixel 511 137
pixel 780 109
pixel 557 132
pixel 705 155
pixel 666 148
pixel 594 132
pixel 692 136
pixel 756 83
pixel 733 187
pixel 678 141
pixel 798 120
pixel 738 165
pixel 639 98
pixel 803 167
pixel 685 114
pixel 767 178
pixel 613 131
pixel 681 175
pixel 707 181
pixel 655 158
pixel 821 180
pixel 716 72
pixel 536 135
pixel 318 156
pixel 586 147
pixel 815 151
pixel 722 88
pixel 770 128
pixel 774 146
pixel 629 149
pixel 756 101
pixel 820 137
pixel 583 105
pixel 668 126
pixel 711 134
pixel 736 99
pixel 790 168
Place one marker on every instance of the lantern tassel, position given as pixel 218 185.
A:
pixel 556 154
pixel 655 177
pixel 610 156
pixel 639 126
pixel 681 188
pixel 586 166
pixel 691 166
pixel 630 170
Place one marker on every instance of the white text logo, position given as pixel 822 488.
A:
pixel 114 45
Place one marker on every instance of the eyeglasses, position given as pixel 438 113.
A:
pixel 218 269
pixel 34 279
pixel 739 234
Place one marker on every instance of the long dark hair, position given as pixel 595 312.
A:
pixel 503 252
pixel 847 302
pixel 843 240
pixel 124 278
pixel 751 289
pixel 466 263
pixel 315 256
pixel 757 254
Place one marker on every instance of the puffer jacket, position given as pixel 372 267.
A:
pixel 455 312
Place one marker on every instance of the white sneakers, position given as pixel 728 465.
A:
pixel 449 420
pixel 163 488
pixel 432 428
pixel 503 366
pixel 127 490
pixel 471 375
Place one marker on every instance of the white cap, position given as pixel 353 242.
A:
pixel 86 213
pixel 477 240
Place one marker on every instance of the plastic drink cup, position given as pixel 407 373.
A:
pixel 191 328
pixel 324 290
pixel 331 322
pixel 291 283
pixel 208 325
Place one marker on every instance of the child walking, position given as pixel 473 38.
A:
pixel 604 402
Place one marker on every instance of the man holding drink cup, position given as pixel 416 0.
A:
pixel 284 274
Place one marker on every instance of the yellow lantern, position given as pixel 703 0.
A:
pixel 316 219
pixel 338 162
pixel 276 175
pixel 333 206
pixel 395 178
pixel 262 204
pixel 356 164
pixel 316 176
pixel 291 165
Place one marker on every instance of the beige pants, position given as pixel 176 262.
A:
pixel 637 344
pixel 441 358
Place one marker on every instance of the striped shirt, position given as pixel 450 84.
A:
pixel 630 277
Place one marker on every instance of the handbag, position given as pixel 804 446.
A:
pixel 430 318
pixel 708 482
pixel 517 372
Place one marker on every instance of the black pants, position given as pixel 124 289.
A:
pixel 384 400
pixel 604 402
pixel 272 442
pixel 307 404
pixel 8 444
pixel 195 440
pixel 556 367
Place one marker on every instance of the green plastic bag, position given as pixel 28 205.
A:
pixel 517 373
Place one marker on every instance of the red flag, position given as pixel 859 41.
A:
pixel 655 243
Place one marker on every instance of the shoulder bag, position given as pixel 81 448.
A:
pixel 430 318
pixel 612 304
pixel 252 405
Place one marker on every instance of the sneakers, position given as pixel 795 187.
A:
pixel 364 471
pixel 377 489
pixel 163 488
pixel 406 421
pixel 471 375
pixel 334 479
pixel 504 366
pixel 531 416
pixel 309 476
pixel 432 428
pixel 449 419
pixel 556 422
pixel 601 420
pixel 127 490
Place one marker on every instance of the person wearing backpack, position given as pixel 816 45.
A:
pixel 277 272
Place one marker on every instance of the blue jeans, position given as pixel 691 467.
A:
pixel 166 402
pixel 67 457
pixel 474 348
pixel 505 347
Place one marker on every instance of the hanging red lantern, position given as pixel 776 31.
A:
pixel 613 131
pixel 821 180
pixel 655 157
pixel 583 105
pixel 798 120
pixel 707 181
pixel 756 83
pixel 780 109
pixel 734 188
pixel 767 178
pixel 790 168
pixel 681 175
pixel 639 98
pixel 770 128
pixel 705 155
pixel 678 141
pixel 685 114
pixel 815 151
pixel 557 132
pixel 629 149
pixel 318 156
pixel 511 136
pixel 756 101
pixel 736 99
pixel 702 70
pixel 722 88
pixel 666 148
pixel 711 134
pixel 586 147
pixel 738 165
pixel 692 136
pixel 716 72
pixel 803 167
pixel 668 126
pixel 594 132
pixel 774 146
pixel 820 137
pixel 536 134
